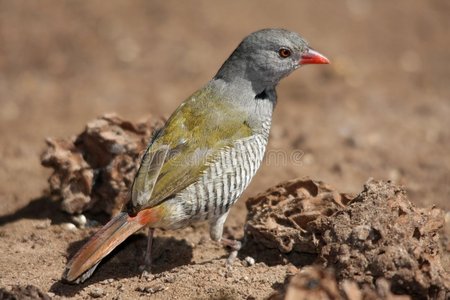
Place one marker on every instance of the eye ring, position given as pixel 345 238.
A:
pixel 284 52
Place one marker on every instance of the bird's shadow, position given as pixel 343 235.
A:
pixel 124 261
pixel 38 208
pixel 273 257
pixel 45 207
pixel 270 256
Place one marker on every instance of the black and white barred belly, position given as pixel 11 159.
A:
pixel 226 179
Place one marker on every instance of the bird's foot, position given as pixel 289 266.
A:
pixel 146 272
pixel 235 247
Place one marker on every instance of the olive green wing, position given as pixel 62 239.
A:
pixel 148 173
pixel 191 139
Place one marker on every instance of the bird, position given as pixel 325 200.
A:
pixel 199 163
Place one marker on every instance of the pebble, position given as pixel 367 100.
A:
pixel 97 293
pixel 169 279
pixel 80 220
pixel 107 281
pixel 151 289
pixel 250 260
pixel 69 226
pixel 43 225
pixel 120 288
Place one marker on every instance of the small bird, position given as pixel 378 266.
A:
pixel 200 162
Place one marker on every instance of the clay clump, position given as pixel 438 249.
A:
pixel 379 234
pixel 97 166
pixel 315 282
pixel 279 218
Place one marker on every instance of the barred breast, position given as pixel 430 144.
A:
pixel 226 179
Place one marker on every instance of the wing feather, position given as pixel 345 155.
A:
pixel 148 173
pixel 190 140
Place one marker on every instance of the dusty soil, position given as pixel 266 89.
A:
pixel 380 110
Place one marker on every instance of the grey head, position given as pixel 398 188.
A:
pixel 266 56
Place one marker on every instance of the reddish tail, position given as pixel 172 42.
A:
pixel 83 264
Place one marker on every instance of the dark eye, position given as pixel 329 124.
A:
pixel 283 52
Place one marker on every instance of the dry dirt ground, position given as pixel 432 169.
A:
pixel 381 110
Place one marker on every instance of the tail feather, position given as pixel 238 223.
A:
pixel 83 264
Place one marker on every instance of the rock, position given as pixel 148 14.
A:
pixel 80 220
pixel 377 235
pixel 97 292
pixel 68 226
pixel 44 224
pixel 315 282
pixel 250 261
pixel 382 235
pixel 279 218
pixel 97 166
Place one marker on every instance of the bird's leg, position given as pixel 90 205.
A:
pixel 148 253
pixel 146 267
pixel 216 232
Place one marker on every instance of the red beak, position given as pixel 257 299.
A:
pixel 313 57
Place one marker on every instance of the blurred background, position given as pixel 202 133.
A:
pixel 381 109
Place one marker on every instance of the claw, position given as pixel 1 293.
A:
pixel 146 274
